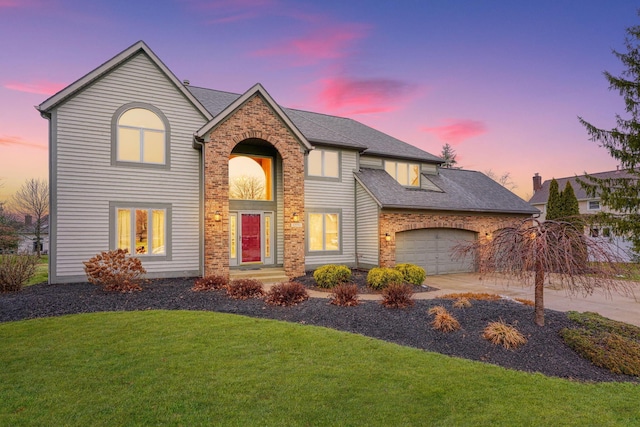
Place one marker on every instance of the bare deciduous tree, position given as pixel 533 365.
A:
pixel 247 187
pixel 505 179
pixel 33 199
pixel 535 251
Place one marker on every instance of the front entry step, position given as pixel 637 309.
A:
pixel 265 275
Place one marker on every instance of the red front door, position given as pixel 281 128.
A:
pixel 251 251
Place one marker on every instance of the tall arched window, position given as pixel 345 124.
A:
pixel 141 137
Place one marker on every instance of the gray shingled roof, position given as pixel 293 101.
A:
pixel 462 190
pixel 323 129
pixel 542 195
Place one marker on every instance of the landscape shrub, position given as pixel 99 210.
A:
pixel 597 323
pixel 397 295
pixel 412 273
pixel 608 350
pixel 437 309
pixel 286 294
pixel 381 277
pixel 504 335
pixel 210 283
pixel 604 342
pixel 331 275
pixel 245 289
pixel 443 320
pixel 345 295
pixel 16 270
pixel 462 302
pixel 115 271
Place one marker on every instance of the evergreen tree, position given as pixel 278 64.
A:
pixel 571 214
pixel 449 156
pixel 621 195
pixel 554 203
pixel 570 207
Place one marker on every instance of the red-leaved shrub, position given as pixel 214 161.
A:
pixel 115 271
pixel 210 283
pixel 286 294
pixel 245 289
pixel 345 295
pixel 397 295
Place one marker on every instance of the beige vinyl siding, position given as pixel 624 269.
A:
pixel 371 162
pixel 367 228
pixel 429 168
pixel 86 181
pixel 326 195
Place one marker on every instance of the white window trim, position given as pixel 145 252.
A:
pixel 593 201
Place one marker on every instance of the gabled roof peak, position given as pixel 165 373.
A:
pixel 259 90
pixel 111 64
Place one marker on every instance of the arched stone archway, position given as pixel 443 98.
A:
pixel 252 120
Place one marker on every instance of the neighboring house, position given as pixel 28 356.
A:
pixel 200 182
pixel 587 206
pixel 28 242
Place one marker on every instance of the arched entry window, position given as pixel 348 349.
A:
pixel 250 178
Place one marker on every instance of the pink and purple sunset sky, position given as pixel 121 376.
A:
pixel 501 81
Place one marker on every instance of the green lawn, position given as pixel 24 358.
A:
pixel 205 368
pixel 42 271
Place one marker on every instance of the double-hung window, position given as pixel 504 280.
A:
pixel 407 174
pixel 324 231
pixel 142 230
pixel 323 163
pixel 594 205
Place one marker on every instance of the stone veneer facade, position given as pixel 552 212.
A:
pixel 253 119
pixel 393 222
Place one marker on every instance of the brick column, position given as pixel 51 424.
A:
pixel 253 120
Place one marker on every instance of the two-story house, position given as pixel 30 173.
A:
pixel 196 182
pixel 587 206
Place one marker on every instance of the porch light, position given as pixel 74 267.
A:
pixel 295 217
pixel 387 237
pixel 217 217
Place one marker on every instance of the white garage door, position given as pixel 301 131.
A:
pixel 431 249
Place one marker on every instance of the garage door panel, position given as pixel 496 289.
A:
pixel 432 249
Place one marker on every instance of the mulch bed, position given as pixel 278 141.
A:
pixel 545 352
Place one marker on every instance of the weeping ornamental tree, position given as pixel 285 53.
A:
pixel 538 252
pixel 621 194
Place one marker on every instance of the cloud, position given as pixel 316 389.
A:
pixel 322 44
pixel 457 130
pixel 362 96
pixel 8 141
pixel 41 87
